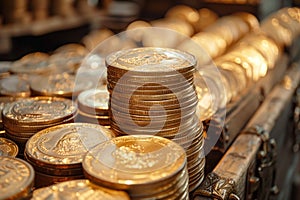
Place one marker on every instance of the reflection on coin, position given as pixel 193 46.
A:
pixel 65 145
pixel 76 190
pixel 8 148
pixel 14 86
pixel 38 111
pixel 128 161
pixel 16 178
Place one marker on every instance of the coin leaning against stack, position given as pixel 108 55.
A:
pixel 152 92
pixel 25 117
pixel 56 153
pixel 146 167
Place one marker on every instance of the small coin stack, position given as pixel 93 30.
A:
pixel 16 178
pixel 14 86
pixel 8 148
pixel 146 167
pixel 24 117
pixel 56 153
pixel 93 106
pixel 152 92
pixel 76 189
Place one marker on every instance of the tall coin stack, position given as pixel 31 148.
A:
pixel 152 92
pixel 56 153
pixel 15 11
pixel 145 166
pixel 25 117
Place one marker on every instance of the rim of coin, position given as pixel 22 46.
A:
pixel 64 146
pixel 18 179
pixel 8 147
pixel 160 161
pixel 82 187
pixel 38 111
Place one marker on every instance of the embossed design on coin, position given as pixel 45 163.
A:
pixel 65 144
pixel 16 178
pixel 8 148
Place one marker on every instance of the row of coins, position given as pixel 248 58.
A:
pixel 25 11
pixel 135 167
pixel 152 92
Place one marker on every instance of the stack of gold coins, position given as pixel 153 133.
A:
pixel 8 148
pixel 93 106
pixel 33 63
pixel 60 85
pixel 15 11
pixel 56 153
pixel 76 190
pixel 24 117
pixel 39 9
pixel 14 86
pixel 62 8
pixel 16 178
pixel 146 167
pixel 152 92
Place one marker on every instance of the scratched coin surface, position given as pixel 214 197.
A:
pixel 38 111
pixel 65 144
pixel 64 85
pixel 150 59
pixel 14 86
pixel 16 178
pixel 134 160
pixel 78 189
pixel 8 148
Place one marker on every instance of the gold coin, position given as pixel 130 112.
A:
pixel 76 189
pixel 4 69
pixel 38 111
pixel 63 85
pixel 65 145
pixel 151 59
pixel 17 178
pixel 94 119
pixel 94 101
pixel 8 148
pixel 129 161
pixel 14 86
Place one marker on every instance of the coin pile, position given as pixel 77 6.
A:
pixel 56 153
pixel 14 86
pixel 146 167
pixel 8 148
pixel 16 178
pixel 93 106
pixel 77 189
pixel 24 117
pixel 152 92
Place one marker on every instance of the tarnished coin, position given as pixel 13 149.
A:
pixel 34 63
pixel 38 111
pixel 130 161
pixel 8 148
pixel 77 189
pixel 63 85
pixel 151 59
pixel 64 146
pixel 94 101
pixel 16 178
pixel 14 86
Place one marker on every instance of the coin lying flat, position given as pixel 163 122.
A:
pixel 8 148
pixel 64 146
pixel 78 189
pixel 16 178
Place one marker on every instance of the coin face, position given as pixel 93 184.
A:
pixel 93 100
pixel 65 144
pixel 8 148
pixel 151 59
pixel 134 160
pixel 16 178
pixel 76 189
pixel 38 110
pixel 14 86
